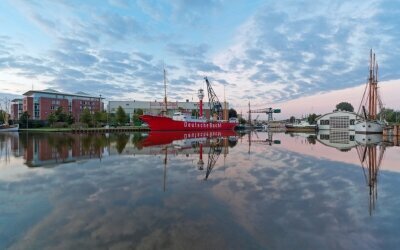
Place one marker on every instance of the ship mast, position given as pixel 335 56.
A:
pixel 370 102
pixel 165 93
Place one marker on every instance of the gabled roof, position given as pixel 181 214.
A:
pixel 337 111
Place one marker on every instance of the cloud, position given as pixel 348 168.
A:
pixel 117 26
pixel 188 50
pixel 311 48
pixel 279 52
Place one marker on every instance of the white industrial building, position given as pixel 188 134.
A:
pixel 337 120
pixel 155 108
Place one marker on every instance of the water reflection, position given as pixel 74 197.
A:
pixel 148 191
pixel 196 142
pixel 370 149
pixel 52 149
pixel 371 156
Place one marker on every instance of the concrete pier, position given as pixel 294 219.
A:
pixel 108 130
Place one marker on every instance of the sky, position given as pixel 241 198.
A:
pixel 284 54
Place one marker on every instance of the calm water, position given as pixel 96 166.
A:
pixel 198 191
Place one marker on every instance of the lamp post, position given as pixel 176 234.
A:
pixel 100 103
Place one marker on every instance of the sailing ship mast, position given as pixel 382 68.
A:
pixel 372 99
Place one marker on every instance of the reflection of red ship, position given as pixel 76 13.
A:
pixel 156 138
pixel 215 141
pixel 185 122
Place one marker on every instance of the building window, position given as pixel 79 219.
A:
pixel 339 122
pixel 324 122
pixel 324 137
pixel 339 136
pixel 352 121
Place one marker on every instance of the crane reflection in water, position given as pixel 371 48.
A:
pixel 216 142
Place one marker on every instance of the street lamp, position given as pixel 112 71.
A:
pixel 100 103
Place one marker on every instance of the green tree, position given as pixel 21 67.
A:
pixel 292 119
pixel 24 118
pixel 52 118
pixel 312 118
pixel 242 120
pixel 2 116
pixel 100 117
pixel 390 115
pixel 139 111
pixel 136 115
pixel 70 119
pixel 232 113
pixel 121 116
pixel 86 116
pixel 60 115
pixel 345 106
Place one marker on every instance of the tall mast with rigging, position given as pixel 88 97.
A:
pixel 371 100
pixel 165 93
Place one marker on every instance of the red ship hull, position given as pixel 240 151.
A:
pixel 163 123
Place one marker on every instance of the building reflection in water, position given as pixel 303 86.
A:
pixel 53 149
pixel 370 150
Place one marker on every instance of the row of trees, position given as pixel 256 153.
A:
pixel 60 118
pixel 390 115
pixel 100 118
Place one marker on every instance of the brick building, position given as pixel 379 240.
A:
pixel 16 109
pixel 41 103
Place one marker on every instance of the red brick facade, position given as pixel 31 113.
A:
pixel 14 111
pixel 40 104
pixel 28 105
pixel 50 105
pixel 78 105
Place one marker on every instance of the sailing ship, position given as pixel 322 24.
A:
pixel 185 122
pixel 368 110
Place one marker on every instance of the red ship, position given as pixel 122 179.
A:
pixel 185 122
pixel 182 122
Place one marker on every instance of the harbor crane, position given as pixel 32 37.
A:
pixel 215 105
pixel 268 111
